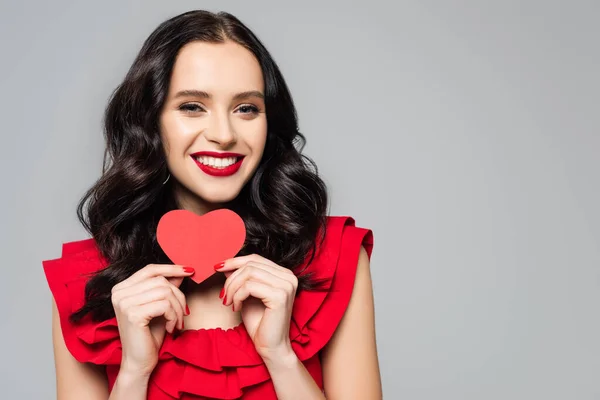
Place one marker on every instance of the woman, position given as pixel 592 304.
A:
pixel 202 121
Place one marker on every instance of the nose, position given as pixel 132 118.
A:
pixel 220 131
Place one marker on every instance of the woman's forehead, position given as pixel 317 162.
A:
pixel 216 68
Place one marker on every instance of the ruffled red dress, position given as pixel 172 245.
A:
pixel 213 363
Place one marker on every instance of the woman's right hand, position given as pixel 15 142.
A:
pixel 142 303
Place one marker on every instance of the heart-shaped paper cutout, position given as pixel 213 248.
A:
pixel 201 242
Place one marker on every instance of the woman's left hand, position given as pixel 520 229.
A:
pixel 267 291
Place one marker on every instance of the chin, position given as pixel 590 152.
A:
pixel 218 196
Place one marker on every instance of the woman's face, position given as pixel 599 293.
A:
pixel 213 123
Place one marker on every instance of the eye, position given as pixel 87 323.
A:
pixel 190 108
pixel 248 109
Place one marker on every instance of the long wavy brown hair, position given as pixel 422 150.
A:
pixel 284 205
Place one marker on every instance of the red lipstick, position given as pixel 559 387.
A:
pixel 214 171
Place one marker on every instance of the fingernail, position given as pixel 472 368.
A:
pixel 225 300
pixel 233 307
pixel 188 269
pixel 222 292
pixel 219 265
pixel 182 325
pixel 187 310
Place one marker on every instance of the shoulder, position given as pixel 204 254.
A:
pixel 67 277
pixel 317 314
pixel 77 261
pixel 344 231
pixel 351 247
pixel 340 248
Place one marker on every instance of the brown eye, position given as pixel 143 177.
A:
pixel 248 109
pixel 190 108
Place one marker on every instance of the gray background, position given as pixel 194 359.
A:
pixel 464 133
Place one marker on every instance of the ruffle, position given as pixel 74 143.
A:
pixel 213 363
pixel 89 341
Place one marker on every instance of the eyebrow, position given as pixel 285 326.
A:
pixel 205 95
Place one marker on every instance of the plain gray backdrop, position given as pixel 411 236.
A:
pixel 464 133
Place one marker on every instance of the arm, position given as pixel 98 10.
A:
pixel 350 365
pixel 291 379
pixel 76 380
pixel 349 361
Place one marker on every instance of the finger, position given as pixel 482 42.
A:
pixel 155 294
pixel 237 262
pixel 253 269
pixel 144 285
pixel 239 277
pixel 151 295
pixel 157 281
pixel 152 270
pixel 272 297
pixel 231 275
pixel 143 313
pixel 176 280
pixel 281 272
pixel 255 274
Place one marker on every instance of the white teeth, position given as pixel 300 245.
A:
pixel 216 162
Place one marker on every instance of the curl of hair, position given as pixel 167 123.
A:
pixel 284 205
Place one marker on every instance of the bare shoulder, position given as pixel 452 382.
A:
pixel 350 362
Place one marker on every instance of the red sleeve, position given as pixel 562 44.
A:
pixel 316 315
pixel 87 341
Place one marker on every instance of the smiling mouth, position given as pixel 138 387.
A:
pixel 217 162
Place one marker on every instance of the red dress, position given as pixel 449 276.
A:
pixel 213 363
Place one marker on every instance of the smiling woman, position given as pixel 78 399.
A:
pixel 203 121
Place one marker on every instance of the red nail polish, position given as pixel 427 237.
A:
pixel 188 269
pixel 219 265
pixel 187 310
pixel 222 291
pixel 233 307
pixel 225 300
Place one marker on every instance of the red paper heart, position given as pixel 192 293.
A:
pixel 200 242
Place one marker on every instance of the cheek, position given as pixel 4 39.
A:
pixel 258 137
pixel 252 135
pixel 177 134
pixel 164 136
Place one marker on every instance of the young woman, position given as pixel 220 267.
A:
pixel 202 121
